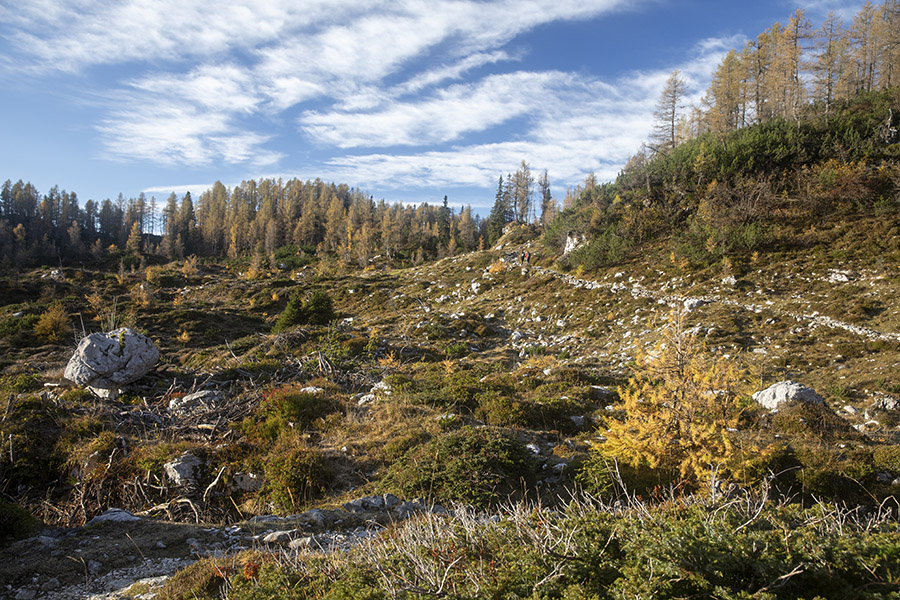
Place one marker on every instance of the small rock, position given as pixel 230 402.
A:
pixel 599 393
pixel 280 537
pixel 116 515
pixel 184 470
pixel 247 482
pixel 316 516
pixel 693 303
pixel 533 448
pixel 50 585
pixel 730 280
pixel 194 401
pixel 25 594
pixel 578 420
pixel 304 542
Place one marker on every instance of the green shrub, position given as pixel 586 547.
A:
pixel 19 331
pixel 289 407
pixel 294 314
pixel 319 308
pixel 204 579
pixel 457 350
pixel 15 521
pixel 887 457
pixel 295 473
pixel 473 465
pixel 809 420
pixel 291 403
pixel 23 382
pixel 76 396
pixel 499 410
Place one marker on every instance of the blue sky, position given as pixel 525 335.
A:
pixel 409 100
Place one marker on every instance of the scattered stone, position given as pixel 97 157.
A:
pixel 573 242
pixel 50 585
pixel 304 542
pixel 578 420
pixel 115 515
pixel 281 537
pixel 192 402
pixel 108 361
pixel 312 390
pixel 184 470
pixel 786 391
pixel 836 276
pixel 316 516
pixel 533 448
pixel 730 280
pixel 693 303
pixel 885 402
pixel 247 482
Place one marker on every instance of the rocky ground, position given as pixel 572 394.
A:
pixel 834 328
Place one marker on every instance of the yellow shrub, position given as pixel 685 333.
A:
pixel 681 406
pixel 53 324
pixel 189 269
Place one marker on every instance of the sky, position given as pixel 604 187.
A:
pixel 408 100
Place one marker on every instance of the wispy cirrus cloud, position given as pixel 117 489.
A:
pixel 442 118
pixel 576 124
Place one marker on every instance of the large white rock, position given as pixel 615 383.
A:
pixel 786 391
pixel 112 360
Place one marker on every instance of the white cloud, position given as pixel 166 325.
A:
pixel 452 112
pixel 578 125
pixel 174 134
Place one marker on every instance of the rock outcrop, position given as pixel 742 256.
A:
pixel 105 362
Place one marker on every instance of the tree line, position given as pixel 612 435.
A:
pixel 255 218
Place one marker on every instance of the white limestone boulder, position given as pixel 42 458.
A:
pixel 109 361
pixel 786 391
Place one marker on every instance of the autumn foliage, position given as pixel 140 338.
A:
pixel 682 405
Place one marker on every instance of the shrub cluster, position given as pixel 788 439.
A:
pixel 478 466
pixel 316 310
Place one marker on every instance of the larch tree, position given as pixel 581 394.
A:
pixel 522 191
pixel 865 47
pixel 829 62
pixel 726 99
pixel 888 31
pixel 668 113
pixel 548 204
